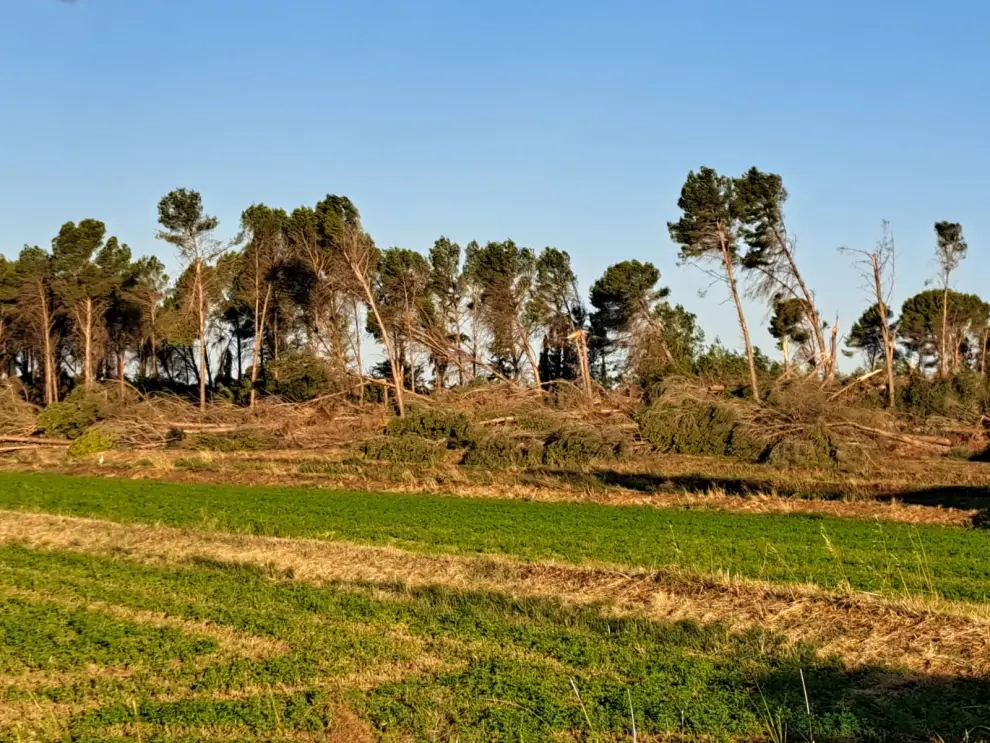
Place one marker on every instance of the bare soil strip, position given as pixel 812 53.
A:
pixel 920 635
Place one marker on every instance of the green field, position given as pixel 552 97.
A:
pixel 894 558
pixel 493 668
pixel 97 646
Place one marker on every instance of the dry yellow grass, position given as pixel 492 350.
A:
pixel 921 635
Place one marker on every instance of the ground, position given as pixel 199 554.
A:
pixel 192 598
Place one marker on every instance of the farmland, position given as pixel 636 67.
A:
pixel 190 611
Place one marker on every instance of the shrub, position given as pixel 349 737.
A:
pixel 436 424
pixel 497 452
pixel 69 418
pixel 964 396
pixel 406 449
pixel 174 437
pixel 817 447
pixel 92 442
pixel 698 429
pixel 300 376
pixel 235 441
pixel 577 446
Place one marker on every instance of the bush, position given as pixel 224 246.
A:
pixel 439 425
pixel 698 429
pixel 174 438
pixel 235 441
pixel 814 447
pixel 70 418
pixel 577 446
pixel 964 396
pixel 498 452
pixel 92 442
pixel 300 376
pixel 406 449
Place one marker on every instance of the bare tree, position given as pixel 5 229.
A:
pixel 877 267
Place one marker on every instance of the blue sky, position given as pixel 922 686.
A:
pixel 560 123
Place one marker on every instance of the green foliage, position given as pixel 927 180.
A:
pixel 434 423
pixel 964 396
pixel 406 449
pixel 576 447
pixel 866 335
pixel 92 441
pixel 815 446
pixel 69 418
pixel 174 438
pixel 243 440
pixel 705 540
pixel 500 452
pixel 300 376
pixel 44 636
pixel 698 429
pixel 790 320
pixel 524 652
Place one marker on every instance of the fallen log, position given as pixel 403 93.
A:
pixel 33 440
pixel 915 440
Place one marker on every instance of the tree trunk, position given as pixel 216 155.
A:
pixel 120 372
pixel 983 352
pixel 154 341
pixel 394 362
pixel 827 359
pixel 528 351
pixel 943 359
pixel 786 350
pixel 201 302
pixel 260 311
pixel 357 348
pixel 51 385
pixel 88 344
pixel 730 272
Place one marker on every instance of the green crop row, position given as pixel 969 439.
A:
pixel 455 665
pixel 895 558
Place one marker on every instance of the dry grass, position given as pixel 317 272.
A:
pixel 922 635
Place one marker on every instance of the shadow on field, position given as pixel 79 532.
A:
pixel 649 482
pixel 946 496
pixel 876 704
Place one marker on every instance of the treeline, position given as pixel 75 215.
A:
pixel 284 307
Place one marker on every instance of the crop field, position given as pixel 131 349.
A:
pixel 143 610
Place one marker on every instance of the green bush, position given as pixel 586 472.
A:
pixel 92 442
pixel 407 449
pixel 963 396
pixel 300 376
pixel 174 438
pixel 499 452
pixel 69 418
pixel 436 424
pixel 235 441
pixel 575 447
pixel 697 429
pixel 815 447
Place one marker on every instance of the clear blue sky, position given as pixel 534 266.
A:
pixel 560 123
